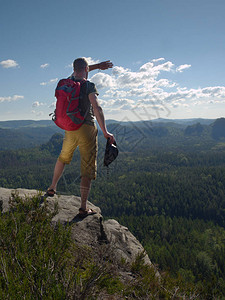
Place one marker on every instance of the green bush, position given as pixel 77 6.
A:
pixel 40 261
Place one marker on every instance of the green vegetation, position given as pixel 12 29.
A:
pixel 167 186
pixel 39 260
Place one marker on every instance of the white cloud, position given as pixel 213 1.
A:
pixel 148 88
pixel 92 61
pixel 153 70
pixel 215 91
pixel 124 104
pixel 164 83
pixel 70 66
pixel 123 101
pixel 167 66
pixel 51 81
pixel 37 104
pixel 214 101
pixel 148 67
pixel 9 63
pixel 44 66
pixel 146 76
pixel 11 98
pixel 158 59
pixel 102 102
pixel 37 113
pixel 138 62
pixel 52 105
pixel 129 79
pixel 103 80
pixel 126 107
pixel 181 68
pixel 119 70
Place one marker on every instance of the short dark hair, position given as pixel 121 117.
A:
pixel 80 64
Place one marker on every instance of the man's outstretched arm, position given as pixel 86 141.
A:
pixel 104 65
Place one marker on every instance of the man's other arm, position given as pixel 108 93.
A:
pixel 98 112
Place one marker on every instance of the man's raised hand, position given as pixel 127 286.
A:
pixel 104 65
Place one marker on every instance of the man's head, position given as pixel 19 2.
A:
pixel 80 66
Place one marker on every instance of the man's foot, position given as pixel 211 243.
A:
pixel 50 193
pixel 83 213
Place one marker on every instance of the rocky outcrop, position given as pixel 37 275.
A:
pixel 92 231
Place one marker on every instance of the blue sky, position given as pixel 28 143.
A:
pixel 168 55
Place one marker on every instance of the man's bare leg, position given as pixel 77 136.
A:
pixel 59 168
pixel 85 187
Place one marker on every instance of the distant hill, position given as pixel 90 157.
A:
pixel 197 130
pixel 19 134
pixel 186 121
pixel 218 128
pixel 15 124
pixel 26 133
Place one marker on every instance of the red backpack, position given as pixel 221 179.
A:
pixel 67 114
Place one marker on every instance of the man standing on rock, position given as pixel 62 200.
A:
pixel 85 137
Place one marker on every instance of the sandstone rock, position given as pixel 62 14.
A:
pixel 125 244
pixel 92 230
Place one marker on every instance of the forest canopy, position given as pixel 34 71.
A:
pixel 167 186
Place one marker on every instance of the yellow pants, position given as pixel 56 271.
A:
pixel 86 139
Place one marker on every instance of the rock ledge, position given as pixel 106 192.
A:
pixel 91 231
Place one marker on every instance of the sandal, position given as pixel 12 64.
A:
pixel 50 193
pixel 83 213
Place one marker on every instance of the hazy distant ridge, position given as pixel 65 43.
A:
pixel 15 124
